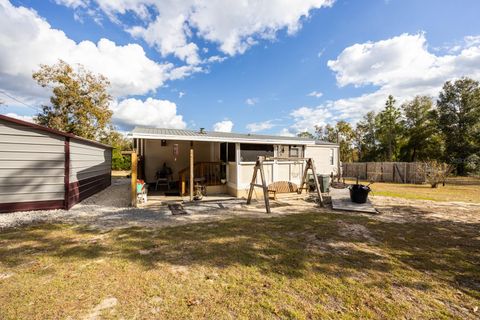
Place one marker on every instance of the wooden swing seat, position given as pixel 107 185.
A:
pixel 281 187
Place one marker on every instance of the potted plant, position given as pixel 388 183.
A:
pixel 359 192
pixel 223 177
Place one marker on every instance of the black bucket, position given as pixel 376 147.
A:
pixel 359 193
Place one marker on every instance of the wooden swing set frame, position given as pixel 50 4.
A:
pixel 303 186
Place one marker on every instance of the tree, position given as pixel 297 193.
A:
pixel 119 143
pixel 389 129
pixel 436 172
pixel 306 134
pixel 458 108
pixel 326 133
pixel 80 100
pixel 366 137
pixel 422 139
pixel 346 136
pixel 342 133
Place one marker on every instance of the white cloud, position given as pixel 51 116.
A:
pixel 316 94
pixel 233 25
pixel 320 53
pixel 472 40
pixel 28 41
pixel 223 126
pixel 305 118
pixel 402 66
pixel 251 101
pixel 260 126
pixel 285 132
pixel 72 3
pixel 151 112
pixel 20 117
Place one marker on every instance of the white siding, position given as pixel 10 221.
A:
pixel 31 164
pixel 321 157
pixel 156 155
pixel 88 160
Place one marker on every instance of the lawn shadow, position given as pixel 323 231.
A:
pixel 286 246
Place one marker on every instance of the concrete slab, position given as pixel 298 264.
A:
pixel 341 201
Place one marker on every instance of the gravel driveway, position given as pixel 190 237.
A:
pixel 109 209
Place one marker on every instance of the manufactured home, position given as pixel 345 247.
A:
pixel 42 168
pixel 225 161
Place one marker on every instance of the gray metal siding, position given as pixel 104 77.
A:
pixel 88 161
pixel 31 164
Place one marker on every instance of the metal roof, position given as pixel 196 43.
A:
pixel 191 135
pixel 50 130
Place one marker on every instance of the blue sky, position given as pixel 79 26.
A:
pixel 263 82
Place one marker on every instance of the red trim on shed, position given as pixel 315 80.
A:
pixel 66 179
pixel 32 205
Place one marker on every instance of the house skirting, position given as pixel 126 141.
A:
pixel 82 189
pixel 31 205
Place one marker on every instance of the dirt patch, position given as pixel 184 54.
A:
pixel 354 231
pixel 96 312
pixel 405 210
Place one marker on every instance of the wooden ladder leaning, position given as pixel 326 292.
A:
pixel 303 186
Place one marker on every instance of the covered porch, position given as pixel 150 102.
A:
pixel 173 169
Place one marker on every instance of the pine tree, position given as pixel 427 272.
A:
pixel 458 108
pixel 422 139
pixel 389 129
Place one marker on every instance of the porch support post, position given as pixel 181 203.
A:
pixel 133 182
pixel 191 170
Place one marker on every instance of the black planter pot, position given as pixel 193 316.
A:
pixel 359 193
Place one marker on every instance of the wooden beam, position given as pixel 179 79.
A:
pixel 253 183
pixel 265 190
pixel 133 182
pixel 192 164
pixel 315 178
pixel 66 179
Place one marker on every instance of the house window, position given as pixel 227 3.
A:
pixel 331 156
pixel 232 152
pixel 227 152
pixel 250 152
pixel 283 151
pixel 294 152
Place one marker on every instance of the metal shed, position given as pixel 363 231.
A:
pixel 43 168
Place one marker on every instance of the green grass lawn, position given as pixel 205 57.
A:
pixel 449 192
pixel 301 266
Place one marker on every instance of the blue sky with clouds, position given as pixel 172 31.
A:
pixel 274 66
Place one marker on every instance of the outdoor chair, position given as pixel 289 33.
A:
pixel 162 181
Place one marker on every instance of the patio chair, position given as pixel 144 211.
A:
pixel 163 177
pixel 162 182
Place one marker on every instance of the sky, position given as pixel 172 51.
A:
pixel 267 67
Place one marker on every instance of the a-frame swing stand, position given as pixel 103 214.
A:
pixel 303 186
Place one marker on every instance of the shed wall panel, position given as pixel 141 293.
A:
pixel 90 170
pixel 31 164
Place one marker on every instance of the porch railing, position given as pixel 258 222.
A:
pixel 212 172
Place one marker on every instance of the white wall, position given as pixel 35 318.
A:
pixel 321 157
pixel 156 155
